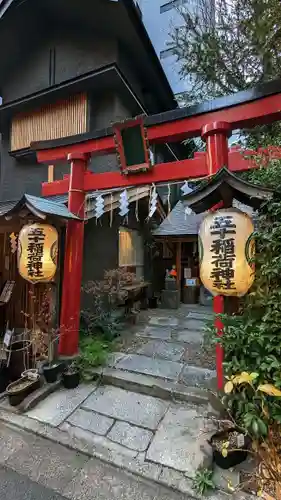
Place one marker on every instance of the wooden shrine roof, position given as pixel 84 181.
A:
pixel 227 186
pixel 39 207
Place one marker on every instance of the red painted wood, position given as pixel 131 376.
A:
pixel 73 260
pixel 104 145
pixel 264 110
pixel 163 172
pixel 216 136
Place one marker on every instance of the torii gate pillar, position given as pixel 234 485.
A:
pixel 216 136
pixel 73 259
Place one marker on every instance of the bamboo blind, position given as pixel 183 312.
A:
pixel 64 118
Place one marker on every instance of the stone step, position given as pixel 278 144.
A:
pixel 152 386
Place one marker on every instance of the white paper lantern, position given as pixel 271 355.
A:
pixel 226 248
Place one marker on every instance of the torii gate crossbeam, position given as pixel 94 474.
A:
pixel 212 120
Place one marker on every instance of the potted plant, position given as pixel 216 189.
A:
pixel 230 447
pixel 18 390
pixel 71 376
pixel 52 368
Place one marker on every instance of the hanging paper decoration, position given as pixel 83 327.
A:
pixel 137 206
pixel 185 189
pixel 37 252
pixel 99 206
pixel 226 249
pixel 152 202
pixel 169 198
pixel 111 209
pixel 13 242
pixel 187 211
pixel 124 203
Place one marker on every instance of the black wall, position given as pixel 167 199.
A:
pixel 63 56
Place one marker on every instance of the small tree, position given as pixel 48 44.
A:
pixel 227 46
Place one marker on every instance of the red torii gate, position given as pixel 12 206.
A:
pixel 212 120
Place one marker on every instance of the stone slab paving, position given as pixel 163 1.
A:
pixel 177 442
pixel 196 376
pixel 164 321
pixel 137 409
pixel 169 370
pixel 189 336
pixel 171 351
pixel 156 332
pixel 59 405
pixel 193 324
pixel 91 421
pixel 131 436
pixel 183 430
pixel 201 316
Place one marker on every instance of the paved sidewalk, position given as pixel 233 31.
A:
pixel 32 468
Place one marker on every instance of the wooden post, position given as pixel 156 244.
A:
pixel 73 259
pixel 216 136
pixel 178 264
pixel 51 173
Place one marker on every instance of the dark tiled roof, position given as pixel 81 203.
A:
pixel 178 223
pixel 36 205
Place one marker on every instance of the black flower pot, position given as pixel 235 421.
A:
pixel 71 380
pixel 233 458
pixel 52 371
pixel 152 303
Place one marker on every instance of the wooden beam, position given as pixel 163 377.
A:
pixel 169 128
pixel 50 173
pixel 176 170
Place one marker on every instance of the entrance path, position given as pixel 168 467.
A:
pixel 147 411
pixel 164 355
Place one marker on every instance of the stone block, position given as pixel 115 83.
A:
pixel 131 436
pixel 170 299
pixel 153 332
pixel 203 316
pixel 176 443
pixel 96 445
pixel 226 480
pixel 152 386
pixel 91 421
pixel 190 336
pixel 163 350
pixel 198 377
pixel 59 405
pixel 194 324
pixel 137 409
pixel 164 321
pixel 176 480
pixel 169 370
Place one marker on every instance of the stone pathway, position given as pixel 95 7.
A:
pixel 140 414
pixel 166 349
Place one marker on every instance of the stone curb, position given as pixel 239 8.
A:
pixel 148 470
pixel 152 386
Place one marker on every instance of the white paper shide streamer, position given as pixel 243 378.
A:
pixel 123 203
pixel 99 206
pixel 185 189
pixel 152 202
